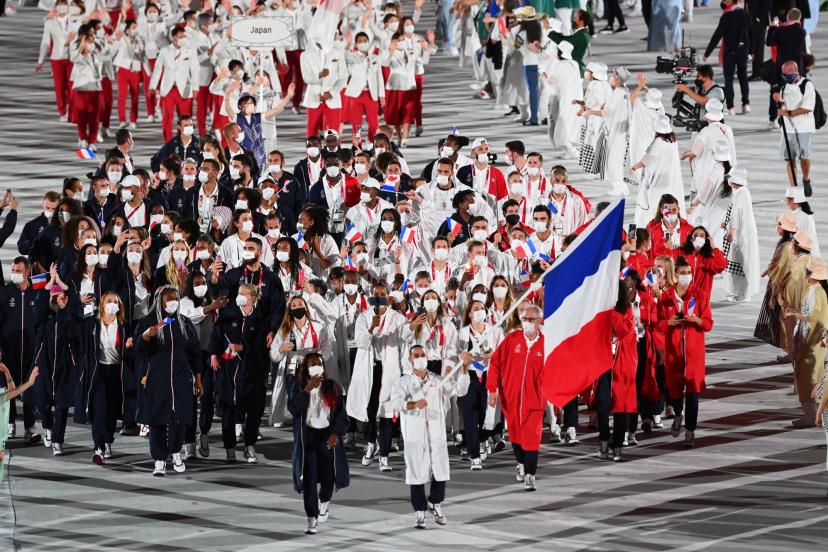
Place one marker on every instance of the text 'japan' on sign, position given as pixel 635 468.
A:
pixel 261 31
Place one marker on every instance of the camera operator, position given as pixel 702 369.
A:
pixel 706 89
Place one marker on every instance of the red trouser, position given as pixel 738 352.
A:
pixel 364 104
pixel 105 112
pixel 321 118
pixel 149 95
pixel 171 103
pixel 294 75
pixel 418 102
pixel 128 82
pixel 61 69
pixel 219 120
pixel 203 104
pixel 87 110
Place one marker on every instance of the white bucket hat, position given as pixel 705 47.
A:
pixel 653 98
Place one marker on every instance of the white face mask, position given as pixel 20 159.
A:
pixel 92 259
pixel 199 291
pixel 421 290
pixel 247 226
pixel 672 218
pixel 409 29
pixel 48 213
pixel 480 260
pixel 393 26
pixel 127 195
pixel 203 177
pixel 171 307
pixel 162 175
pixel 275 169
pixel 362 258
pixel 178 236
pixel 165 228
pixel 282 256
pixel 103 258
pixel 559 189
pixel 499 292
pixel 202 254
pixel 685 279
pixel 387 226
pixel 540 225
pixel 482 158
pixel 316 370
pixel 274 233
pixel 478 316
pixel 111 309
pixel 152 17
pixel 241 300
pixel 528 327
pixel 532 171
pixel 447 151
pixel 350 289
pixel 114 176
pixel 480 235
pixel 16 278
pixel 116 230
pixel 431 305
pixel 179 255
pixel 156 219
pixel 235 173
pixel 104 193
pixel 208 155
pixel 248 255
pixel 442 179
pixel 378 151
pixel 90 241
pixel 364 197
pixel 300 227
pixel 267 193
pixel 65 216
pixel 363 46
pixel 332 172
pixel 188 130
pixel 479 297
pixel 75 10
pixel 133 257
pixel 241 204
pixel 698 242
pixel 420 363
pixel 312 151
pixel 360 168
pixel 188 177
pixel 441 254
pixel 517 188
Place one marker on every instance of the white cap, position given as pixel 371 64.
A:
pixel 663 126
pixel 721 150
pixel 795 193
pixel 598 70
pixel 130 180
pixel 738 175
pixel 565 48
pixel 653 98
pixel 714 109
pixel 370 183
pixel 330 132
pixel 479 142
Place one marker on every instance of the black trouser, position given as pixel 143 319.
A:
pixel 233 415
pixel 646 10
pixel 529 459
pixel 436 495
pixel 207 400
pixel 473 406
pixel 603 404
pixel 352 423
pixel 759 31
pixel 28 414
pixel 105 388
pixel 570 414
pixel 613 11
pixel 56 422
pixel 645 405
pixel 435 367
pixel 318 469
pixel 735 61
pixel 773 107
pixel 165 440
pixel 691 416
pixel 385 424
pixel 662 388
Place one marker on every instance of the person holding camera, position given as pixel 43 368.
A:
pixel 705 89
pixel 734 33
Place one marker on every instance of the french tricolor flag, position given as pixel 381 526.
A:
pixel 300 241
pixel 407 235
pixel 580 291
pixel 526 250
pixel 404 286
pixel 349 263
pixel 39 280
pixel 85 153
pixel 353 235
pixel 454 227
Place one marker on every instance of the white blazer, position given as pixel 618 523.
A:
pixel 129 53
pixel 176 67
pixel 312 61
pixel 55 35
pixel 365 72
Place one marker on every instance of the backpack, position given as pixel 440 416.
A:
pixel 820 117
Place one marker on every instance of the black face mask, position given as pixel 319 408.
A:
pixel 723 5
pixel 298 313
pixel 699 84
pixel 511 220
pixel 378 301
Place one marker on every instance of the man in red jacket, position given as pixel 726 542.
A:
pixel 514 377
pixel 668 231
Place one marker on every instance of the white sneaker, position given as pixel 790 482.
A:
pixel 669 412
pixel 657 423
pixel 731 111
pixel 476 464
pixel 555 436
pixel 439 516
pixel 368 458
pixel 529 482
pixel 160 468
pixel 603 451
pixel 745 109
pixel 178 463
pixel 47 438
pixel 250 454
pixel 108 450
pixel 324 511
pixel 571 436
pixel 773 125
pixel 520 474
pixel 64 118
pixel 105 133
pixel 238 431
pixel 150 118
pixel 93 147
pixel 203 445
pixel 122 124
pixel 132 126
pixel 313 526
pixel 476 85
pixel 419 523
pixel 675 429
pixel 98 457
pixel 631 440
pixel 383 464
pixel 689 438
pixel 144 431
pixel 57 449
pixel 188 451
pixel 83 144
pixel 279 425
pixel 616 454
pixel 483 452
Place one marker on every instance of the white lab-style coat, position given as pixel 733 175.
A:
pixel 365 72
pixel 424 429
pixel 388 339
pixel 176 67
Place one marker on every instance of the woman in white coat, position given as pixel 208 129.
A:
pixel 709 207
pixel 661 175
pixel 376 370
pixel 593 128
pixel 422 399
pixel 741 241
pixel 617 119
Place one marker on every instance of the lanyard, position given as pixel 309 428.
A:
pixel 446 273
pixel 442 339
pixel 135 210
pixel 314 338
pixel 261 277
pixel 369 214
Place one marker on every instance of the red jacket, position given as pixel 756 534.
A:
pixel 657 237
pixel 625 364
pixel 516 373
pixel 653 339
pixel 704 268
pixel 684 359
pixel 352 190
pixel 640 262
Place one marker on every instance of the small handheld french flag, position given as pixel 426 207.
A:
pixel 388 188
pixel 300 241
pixel 651 279
pixel 551 207
pixel 454 227
pixel 228 353
pixel 691 306
pixel 526 250
pixel 479 367
pixel 404 286
pixel 624 273
pixel 353 235
pixel 407 235
pixel 167 321
pixel 523 278
pixel 39 280
pixel 85 153
pixel 349 263
pixel 544 257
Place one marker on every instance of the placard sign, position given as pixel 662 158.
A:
pixel 261 31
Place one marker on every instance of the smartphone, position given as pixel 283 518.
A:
pixel 631 231
pixel 421 311
pixel 679 316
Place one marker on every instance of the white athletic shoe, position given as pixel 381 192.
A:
pixel 483 451
pixel 57 449
pixel 675 429
pixel 83 144
pixel 132 126
pixel 108 450
pixel 520 474
pixel 160 468
pixel 238 431
pixel 669 412
pixel 144 431
pixel 64 118
pixel 529 482
pixel 631 440
pixel 476 464
pixel 657 423
pixel 439 516
pixel 616 454
pixel 419 523
pixel 47 438
pixel 178 463
pixel 368 457
pixel 571 436
pixel 324 511
pixel 555 436
pixel 313 526
pixel 603 451
pixel 383 464
pixel 98 457
pixel 150 118
pixel 250 454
